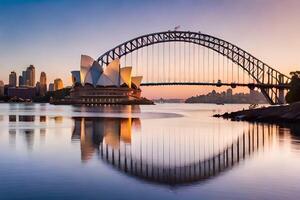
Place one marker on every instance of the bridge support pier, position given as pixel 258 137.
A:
pixel 281 96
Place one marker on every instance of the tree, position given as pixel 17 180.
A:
pixel 58 94
pixel 293 94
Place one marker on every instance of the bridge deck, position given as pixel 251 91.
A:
pixel 250 85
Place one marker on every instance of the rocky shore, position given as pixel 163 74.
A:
pixel 272 114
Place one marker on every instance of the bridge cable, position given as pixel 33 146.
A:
pixel 179 59
pixel 198 74
pixel 232 71
pixel 238 72
pixel 223 69
pixel 137 61
pixel 227 71
pixel 184 54
pixel 194 63
pixel 203 63
pixel 125 59
pixel 131 61
pixel 213 67
pixel 189 69
pixel 164 67
pixel 147 63
pixel 152 64
pixel 158 68
pixel 169 61
pixel 208 64
pixel 243 77
pixel 218 66
pixel 174 61
pixel 142 60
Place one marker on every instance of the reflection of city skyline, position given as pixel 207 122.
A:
pixel 34 118
pixel 28 133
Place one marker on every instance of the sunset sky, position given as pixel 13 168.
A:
pixel 52 34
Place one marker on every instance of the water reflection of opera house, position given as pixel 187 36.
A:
pixel 96 132
pixel 163 156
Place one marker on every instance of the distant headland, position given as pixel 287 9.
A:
pixel 254 97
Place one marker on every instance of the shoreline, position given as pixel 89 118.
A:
pixel 67 101
pixel 272 114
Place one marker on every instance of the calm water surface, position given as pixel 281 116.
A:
pixel 165 151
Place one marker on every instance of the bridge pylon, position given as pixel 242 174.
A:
pixel 281 90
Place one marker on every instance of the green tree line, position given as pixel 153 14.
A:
pixel 293 94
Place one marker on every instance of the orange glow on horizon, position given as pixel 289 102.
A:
pixel 183 92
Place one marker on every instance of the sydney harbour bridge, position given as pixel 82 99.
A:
pixel 194 58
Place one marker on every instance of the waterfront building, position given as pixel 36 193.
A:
pixel 30 76
pixel 21 92
pixel 1 88
pixel 51 87
pixel 58 84
pixel 13 79
pixel 38 88
pixel 20 81
pixel 24 81
pixel 110 85
pixel 43 84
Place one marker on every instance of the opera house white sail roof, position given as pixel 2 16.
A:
pixel 112 75
pixel 126 76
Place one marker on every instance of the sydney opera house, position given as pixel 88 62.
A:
pixel 110 85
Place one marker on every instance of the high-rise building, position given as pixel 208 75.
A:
pixel 38 88
pixel 1 88
pixel 58 84
pixel 51 87
pixel 30 76
pixel 43 84
pixel 24 79
pixel 13 79
pixel 21 81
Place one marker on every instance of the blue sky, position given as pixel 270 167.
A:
pixel 52 34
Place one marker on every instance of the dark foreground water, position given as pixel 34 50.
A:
pixel 167 151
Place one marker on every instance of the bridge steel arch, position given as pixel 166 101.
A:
pixel 271 82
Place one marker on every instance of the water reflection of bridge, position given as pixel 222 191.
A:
pixel 174 160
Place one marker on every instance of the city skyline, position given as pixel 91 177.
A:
pixel 25 86
pixel 267 29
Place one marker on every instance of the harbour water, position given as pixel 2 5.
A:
pixel 164 151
